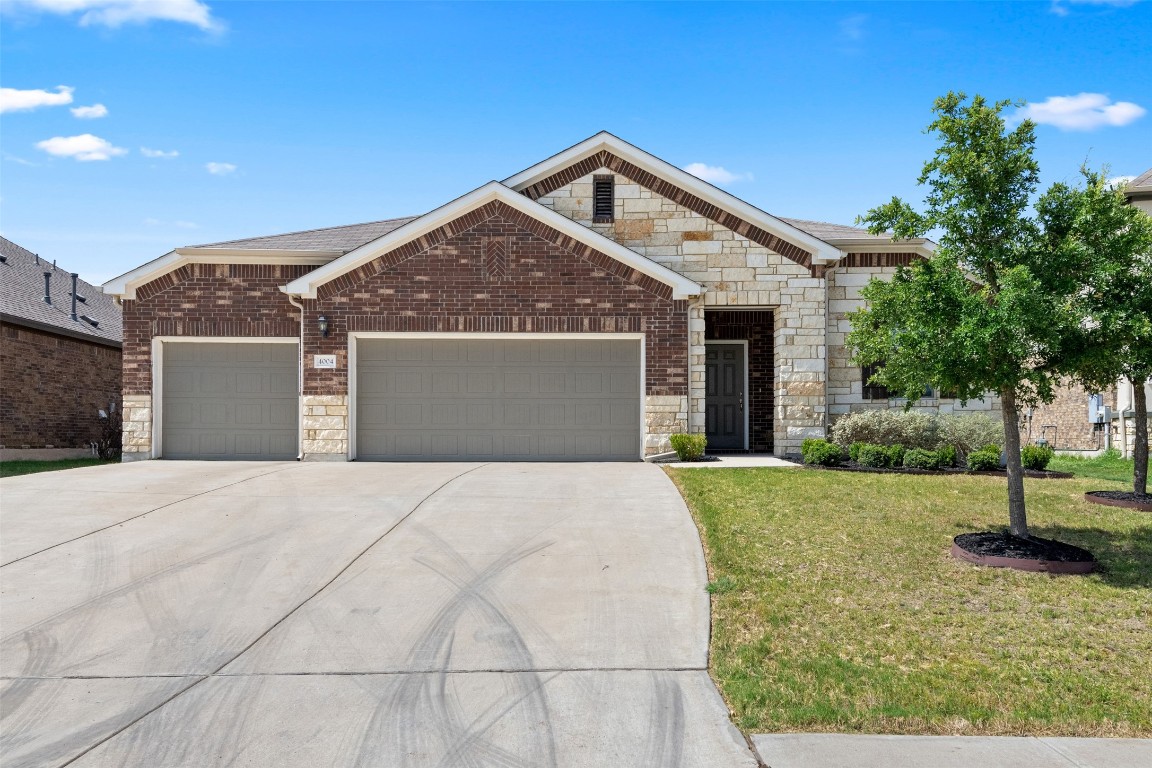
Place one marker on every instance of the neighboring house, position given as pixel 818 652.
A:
pixel 1073 421
pixel 59 358
pixel 585 308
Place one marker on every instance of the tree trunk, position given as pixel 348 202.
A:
pixel 1140 451
pixel 1017 516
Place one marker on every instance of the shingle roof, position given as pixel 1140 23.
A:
pixel 827 231
pixel 342 239
pixel 1141 183
pixel 22 298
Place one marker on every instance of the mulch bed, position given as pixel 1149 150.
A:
pixel 674 460
pixel 1002 550
pixel 1125 499
pixel 851 466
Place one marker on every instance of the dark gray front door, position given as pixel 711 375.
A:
pixel 724 401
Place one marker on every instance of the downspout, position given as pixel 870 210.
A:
pixel 299 380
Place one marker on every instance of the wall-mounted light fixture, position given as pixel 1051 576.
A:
pixel 322 325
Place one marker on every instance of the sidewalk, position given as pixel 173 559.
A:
pixel 828 750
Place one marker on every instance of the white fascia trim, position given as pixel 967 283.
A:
pixel 126 284
pixel 306 286
pixel 822 251
pixel 918 246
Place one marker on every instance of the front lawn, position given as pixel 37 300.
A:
pixel 1108 466
pixel 836 606
pixel 25 467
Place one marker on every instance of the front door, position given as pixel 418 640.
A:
pixel 724 402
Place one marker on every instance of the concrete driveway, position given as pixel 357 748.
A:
pixel 287 614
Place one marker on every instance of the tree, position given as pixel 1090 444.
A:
pixel 992 310
pixel 1117 302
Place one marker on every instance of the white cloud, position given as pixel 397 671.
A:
pixel 220 169
pixel 1060 7
pixel 15 100
pixel 90 113
pixel 159 153
pixel 1119 181
pixel 84 147
pixel 1082 112
pixel 715 174
pixel 115 13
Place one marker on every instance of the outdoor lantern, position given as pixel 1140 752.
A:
pixel 322 325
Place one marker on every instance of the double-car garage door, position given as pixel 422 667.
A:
pixel 445 399
pixel 493 399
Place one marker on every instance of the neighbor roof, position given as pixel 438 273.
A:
pixel 22 299
pixel 1141 185
pixel 827 231
pixel 344 238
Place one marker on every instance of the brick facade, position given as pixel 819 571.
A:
pixel 53 386
pixel 1064 422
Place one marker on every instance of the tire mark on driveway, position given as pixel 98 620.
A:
pixel 275 624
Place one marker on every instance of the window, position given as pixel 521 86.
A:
pixel 603 199
pixel 872 391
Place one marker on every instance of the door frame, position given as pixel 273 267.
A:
pixel 158 343
pixel 747 400
pixel 354 338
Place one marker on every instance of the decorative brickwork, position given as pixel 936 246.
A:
pixel 755 327
pixel 206 300
pixel 52 387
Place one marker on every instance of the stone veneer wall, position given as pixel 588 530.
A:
pixel 52 387
pixel 845 387
pixel 735 272
pixel 325 424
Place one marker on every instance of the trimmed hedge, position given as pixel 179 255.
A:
pixel 1036 457
pixel 986 458
pixel 913 429
pixel 821 452
pixel 918 458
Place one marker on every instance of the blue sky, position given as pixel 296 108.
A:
pixel 235 119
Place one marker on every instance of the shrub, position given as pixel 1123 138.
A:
pixel 881 427
pixel 918 458
pixel 895 455
pixel 946 456
pixel 688 447
pixel 986 458
pixel 854 451
pixel 821 452
pixel 1036 456
pixel 971 432
pixel 874 456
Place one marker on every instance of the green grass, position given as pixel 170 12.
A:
pixel 12 468
pixel 1108 466
pixel 836 606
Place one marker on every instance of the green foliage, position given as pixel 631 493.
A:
pixel 985 459
pixel 1036 456
pixel 877 456
pixel 918 458
pixel 917 430
pixel 970 432
pixel 854 450
pixel 895 455
pixel 821 452
pixel 946 456
pixel 688 447
pixel 721 585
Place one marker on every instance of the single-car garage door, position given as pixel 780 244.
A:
pixel 229 401
pixel 498 399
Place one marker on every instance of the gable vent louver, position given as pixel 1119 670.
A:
pixel 603 199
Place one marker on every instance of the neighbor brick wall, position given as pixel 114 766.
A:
pixel 51 387
pixel 756 327
pixel 206 300
pixel 1068 413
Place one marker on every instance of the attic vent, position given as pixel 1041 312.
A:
pixel 603 198
pixel 82 299
pixel 91 321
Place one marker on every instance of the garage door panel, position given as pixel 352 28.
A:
pixel 494 399
pixel 229 400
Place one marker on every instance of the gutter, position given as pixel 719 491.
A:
pixel 299 379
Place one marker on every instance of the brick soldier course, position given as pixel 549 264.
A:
pixel 675 259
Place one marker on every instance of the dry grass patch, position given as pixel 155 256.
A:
pixel 841 609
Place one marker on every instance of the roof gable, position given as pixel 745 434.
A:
pixel 607 151
pixel 423 232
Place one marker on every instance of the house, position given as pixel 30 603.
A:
pixel 585 308
pixel 59 358
pixel 1078 421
